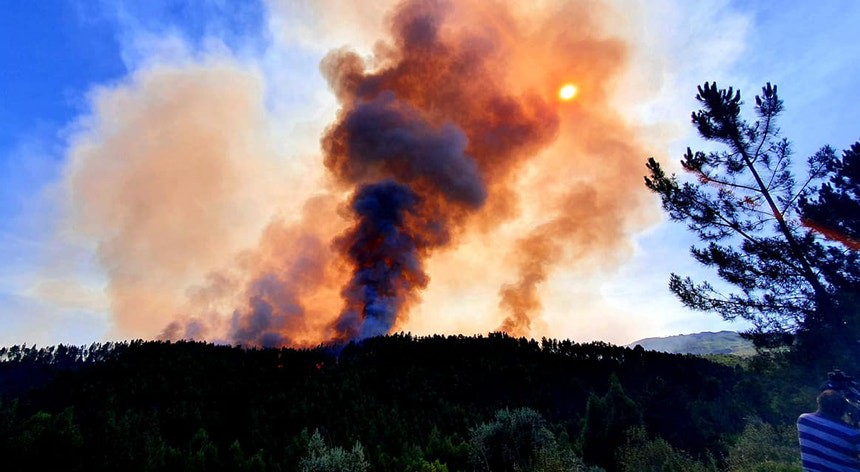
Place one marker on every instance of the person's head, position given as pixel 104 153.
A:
pixel 832 404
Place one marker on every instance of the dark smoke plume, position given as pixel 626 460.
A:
pixel 425 138
pixel 386 255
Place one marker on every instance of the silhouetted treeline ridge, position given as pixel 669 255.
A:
pixel 394 403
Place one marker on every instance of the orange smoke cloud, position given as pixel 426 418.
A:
pixel 590 203
pixel 163 176
pixel 423 135
pixel 450 138
pixel 479 87
pixel 588 229
pixel 283 292
pixel 583 198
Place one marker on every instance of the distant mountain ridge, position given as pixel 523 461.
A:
pixel 722 342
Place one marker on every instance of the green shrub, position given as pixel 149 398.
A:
pixel 762 447
pixel 322 458
pixel 519 440
pixel 642 454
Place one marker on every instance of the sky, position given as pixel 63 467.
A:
pixel 215 170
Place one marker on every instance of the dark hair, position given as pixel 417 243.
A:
pixel 832 404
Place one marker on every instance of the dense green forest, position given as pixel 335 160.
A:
pixel 396 403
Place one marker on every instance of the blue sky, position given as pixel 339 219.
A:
pixel 56 55
pixel 50 57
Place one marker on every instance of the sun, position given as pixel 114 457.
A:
pixel 567 92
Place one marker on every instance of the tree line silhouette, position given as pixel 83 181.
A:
pixel 392 403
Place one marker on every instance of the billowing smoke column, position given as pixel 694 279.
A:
pixel 585 226
pixel 386 255
pixel 449 136
pixel 424 138
pixel 384 137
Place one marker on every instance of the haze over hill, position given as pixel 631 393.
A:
pixel 722 342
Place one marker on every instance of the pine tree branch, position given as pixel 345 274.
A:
pixel 708 178
pixel 809 274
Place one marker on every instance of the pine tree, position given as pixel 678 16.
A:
pixel 744 205
pixel 834 207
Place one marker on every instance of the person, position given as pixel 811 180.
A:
pixel 827 442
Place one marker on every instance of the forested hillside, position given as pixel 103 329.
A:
pixel 391 403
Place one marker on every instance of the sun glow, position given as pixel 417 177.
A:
pixel 567 92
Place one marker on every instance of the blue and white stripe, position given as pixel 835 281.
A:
pixel 828 446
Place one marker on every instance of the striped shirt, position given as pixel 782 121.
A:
pixel 827 445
